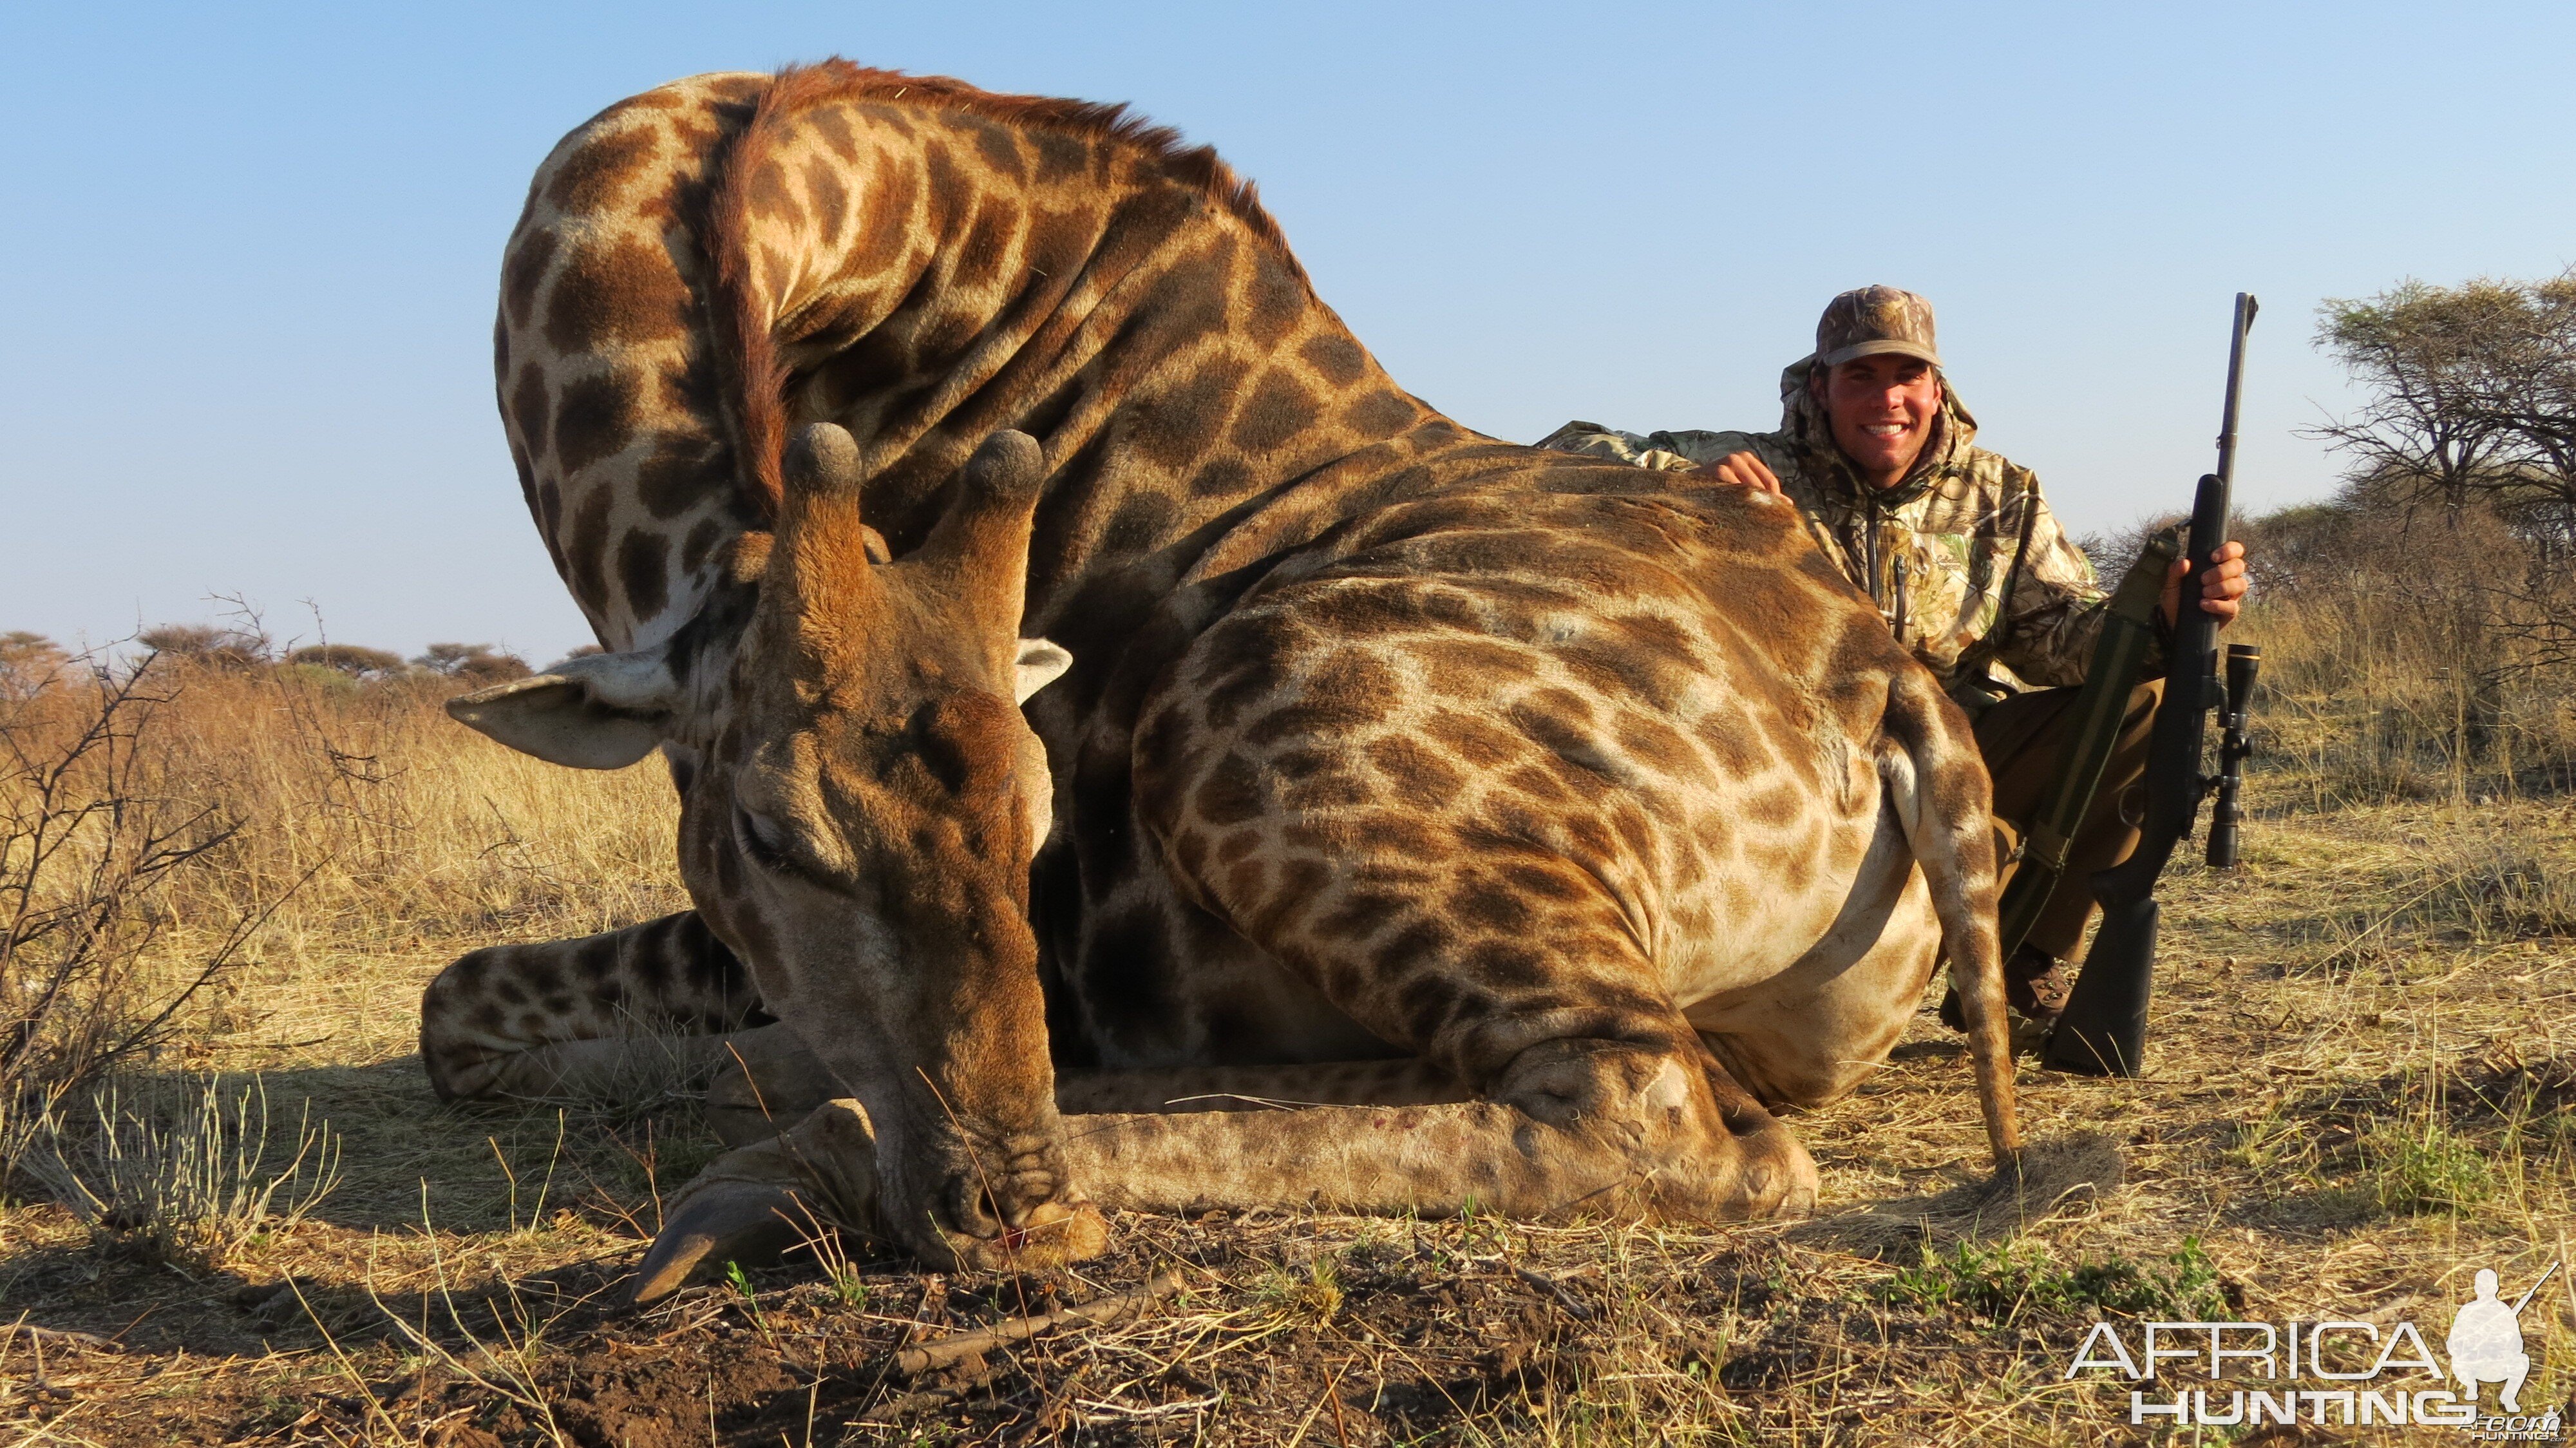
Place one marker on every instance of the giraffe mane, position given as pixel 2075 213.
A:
pixel 759 379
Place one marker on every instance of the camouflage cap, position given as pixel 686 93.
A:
pixel 1869 320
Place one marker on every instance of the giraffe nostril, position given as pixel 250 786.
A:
pixel 970 1207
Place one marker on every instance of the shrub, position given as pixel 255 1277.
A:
pixel 188 1180
pixel 93 842
pixel 477 664
pixel 2424 1168
pixel 351 659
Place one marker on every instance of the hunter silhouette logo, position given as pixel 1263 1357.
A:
pixel 2486 1341
pixel 2366 1374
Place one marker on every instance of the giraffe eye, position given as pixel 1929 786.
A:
pixel 765 841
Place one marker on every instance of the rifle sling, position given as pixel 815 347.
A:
pixel 2128 634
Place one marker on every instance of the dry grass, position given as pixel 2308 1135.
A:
pixel 2361 1091
pixel 2416 662
pixel 411 828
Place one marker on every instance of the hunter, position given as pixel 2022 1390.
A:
pixel 1958 549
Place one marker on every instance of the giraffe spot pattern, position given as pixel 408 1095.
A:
pixel 591 178
pixel 1281 407
pixel 594 416
pixel 618 293
pixel 523 271
pixel 642 558
pixel 1447 766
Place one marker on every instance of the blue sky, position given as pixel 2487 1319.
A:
pixel 245 321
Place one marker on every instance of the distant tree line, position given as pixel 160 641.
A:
pixel 28 661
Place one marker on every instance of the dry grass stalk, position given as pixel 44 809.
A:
pixel 185 1181
pixel 948 1351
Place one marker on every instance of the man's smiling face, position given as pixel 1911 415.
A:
pixel 1882 408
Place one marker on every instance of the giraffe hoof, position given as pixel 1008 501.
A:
pixel 747 1222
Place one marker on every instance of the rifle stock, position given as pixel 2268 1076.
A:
pixel 2103 1030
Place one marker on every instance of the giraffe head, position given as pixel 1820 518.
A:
pixel 860 826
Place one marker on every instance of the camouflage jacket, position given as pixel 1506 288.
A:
pixel 1963 557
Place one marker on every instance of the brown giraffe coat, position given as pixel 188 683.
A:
pixel 1588 793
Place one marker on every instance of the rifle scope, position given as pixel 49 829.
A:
pixel 2243 660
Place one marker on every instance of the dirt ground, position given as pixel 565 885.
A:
pixel 2361 1089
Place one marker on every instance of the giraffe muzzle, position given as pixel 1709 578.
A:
pixel 1016 1218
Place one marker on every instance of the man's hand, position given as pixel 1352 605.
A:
pixel 1743 470
pixel 2222 585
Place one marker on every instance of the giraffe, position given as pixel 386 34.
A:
pixel 1098 693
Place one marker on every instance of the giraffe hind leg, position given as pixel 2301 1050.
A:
pixel 600 1015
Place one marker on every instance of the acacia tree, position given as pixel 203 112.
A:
pixel 476 663
pixel 2471 396
pixel 353 659
pixel 28 662
pixel 208 645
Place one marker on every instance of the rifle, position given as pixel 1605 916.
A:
pixel 2103 1030
pixel 2535 1289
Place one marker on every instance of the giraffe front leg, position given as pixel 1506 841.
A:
pixel 601 1015
pixel 1573 1128
pixel 1393 1082
pixel 1517 984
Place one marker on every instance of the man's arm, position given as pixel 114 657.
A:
pixel 1672 452
pixel 2055 614
pixel 2046 629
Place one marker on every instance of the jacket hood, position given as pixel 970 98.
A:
pixel 1953 432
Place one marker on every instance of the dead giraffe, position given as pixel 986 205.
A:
pixel 1575 810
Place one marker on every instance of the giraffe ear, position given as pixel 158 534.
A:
pixel 601 712
pixel 1041 663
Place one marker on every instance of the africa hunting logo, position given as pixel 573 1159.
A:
pixel 2485 1347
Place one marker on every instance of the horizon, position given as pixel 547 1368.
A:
pixel 252 289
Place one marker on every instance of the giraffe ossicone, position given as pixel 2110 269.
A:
pixel 1527 827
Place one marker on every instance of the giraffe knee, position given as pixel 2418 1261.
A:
pixel 1568 1083
pixel 1665 1127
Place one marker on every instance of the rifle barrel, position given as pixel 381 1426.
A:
pixel 2246 307
pixel 2535 1289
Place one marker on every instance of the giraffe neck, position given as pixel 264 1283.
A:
pixel 1150 330
pixel 924 267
